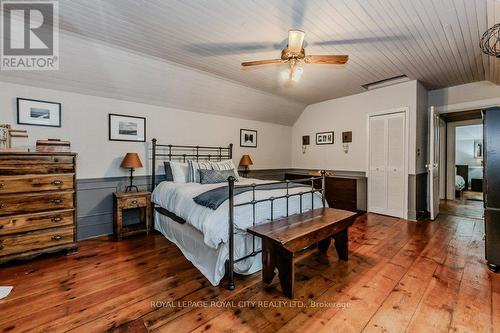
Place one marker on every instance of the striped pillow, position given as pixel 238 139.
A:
pixel 225 165
pixel 193 167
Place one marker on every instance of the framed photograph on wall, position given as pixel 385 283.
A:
pixel 127 128
pixel 478 149
pixel 248 138
pixel 324 138
pixel 38 113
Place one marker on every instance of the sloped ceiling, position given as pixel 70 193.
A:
pixel 435 42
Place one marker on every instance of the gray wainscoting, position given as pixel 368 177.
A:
pixel 95 203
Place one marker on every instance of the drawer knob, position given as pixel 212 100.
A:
pixel 57 182
pixel 1 205
pixel 56 201
pixel 1 245
pixel 1 226
pixel 56 219
pixel 57 237
pixel 2 185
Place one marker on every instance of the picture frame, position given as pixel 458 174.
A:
pixel 36 112
pixel 127 128
pixel 325 138
pixel 478 149
pixel 248 138
pixel 347 137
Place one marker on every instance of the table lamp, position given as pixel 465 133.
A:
pixel 246 161
pixel 131 161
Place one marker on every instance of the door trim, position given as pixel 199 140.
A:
pixel 406 111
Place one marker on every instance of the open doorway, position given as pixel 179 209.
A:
pixel 462 192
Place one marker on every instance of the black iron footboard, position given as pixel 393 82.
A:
pixel 254 202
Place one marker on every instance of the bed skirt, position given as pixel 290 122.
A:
pixel 209 261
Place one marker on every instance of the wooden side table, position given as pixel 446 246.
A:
pixel 131 200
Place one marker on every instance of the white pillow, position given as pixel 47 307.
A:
pixel 179 172
pixel 193 167
pixel 225 165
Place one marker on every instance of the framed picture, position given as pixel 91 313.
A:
pixel 127 128
pixel 38 113
pixel 324 138
pixel 478 148
pixel 248 138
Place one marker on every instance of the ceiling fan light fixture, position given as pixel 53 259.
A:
pixel 297 73
pixel 295 40
pixel 285 75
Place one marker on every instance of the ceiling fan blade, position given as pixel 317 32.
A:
pixel 261 62
pixel 232 48
pixel 326 59
pixel 295 40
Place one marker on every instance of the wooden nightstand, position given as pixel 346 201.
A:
pixel 131 200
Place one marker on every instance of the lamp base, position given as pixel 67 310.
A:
pixel 246 172
pixel 131 187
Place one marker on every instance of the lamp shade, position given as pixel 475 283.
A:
pixel 246 160
pixel 131 161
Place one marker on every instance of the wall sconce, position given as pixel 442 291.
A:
pixel 346 139
pixel 305 142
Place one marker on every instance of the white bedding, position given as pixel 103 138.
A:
pixel 209 261
pixel 213 224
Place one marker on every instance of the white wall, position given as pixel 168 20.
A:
pixel 85 124
pixel 350 114
pixel 464 150
pixel 465 97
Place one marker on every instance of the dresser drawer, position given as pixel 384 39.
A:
pixel 36 183
pixel 133 202
pixel 28 203
pixel 31 159
pixel 36 164
pixel 31 222
pixel 36 240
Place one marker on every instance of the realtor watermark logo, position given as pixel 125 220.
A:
pixel 30 35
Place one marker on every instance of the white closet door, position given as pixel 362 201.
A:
pixel 377 182
pixel 387 166
pixel 396 165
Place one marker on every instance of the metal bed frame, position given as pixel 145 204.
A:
pixel 211 153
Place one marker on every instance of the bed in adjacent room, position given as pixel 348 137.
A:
pixel 206 216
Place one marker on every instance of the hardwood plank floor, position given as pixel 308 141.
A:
pixel 401 277
pixel 463 206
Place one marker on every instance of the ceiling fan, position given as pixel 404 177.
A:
pixel 294 54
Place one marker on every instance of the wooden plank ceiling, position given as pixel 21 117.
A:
pixel 434 41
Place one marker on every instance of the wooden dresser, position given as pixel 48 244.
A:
pixel 341 192
pixel 37 204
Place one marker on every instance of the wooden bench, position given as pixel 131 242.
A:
pixel 283 238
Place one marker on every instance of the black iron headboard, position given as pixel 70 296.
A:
pixel 187 152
